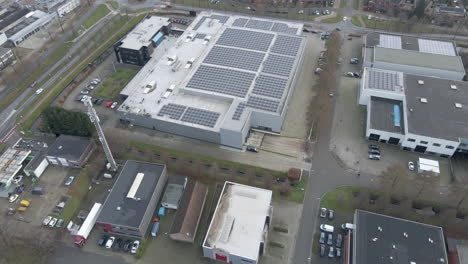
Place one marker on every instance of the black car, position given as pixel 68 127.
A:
pixel 99 101
pixel 330 240
pixel 322 238
pixel 323 212
pixel 127 245
pixel 339 241
pixel 20 189
pixel 331 214
pixel 322 250
pixel 374 151
pixel 372 146
pixel 117 244
pixel 103 240
pixel 338 29
pixel 252 149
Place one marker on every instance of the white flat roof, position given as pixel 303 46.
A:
pixel 238 223
pixel 428 165
pixel 220 65
pixel 10 163
pixel 143 33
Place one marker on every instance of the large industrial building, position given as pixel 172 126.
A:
pixel 129 207
pixel 419 113
pixel 224 76
pixel 379 238
pixel 70 151
pixel 419 56
pixel 238 230
pixel 136 48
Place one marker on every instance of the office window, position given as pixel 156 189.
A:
pixel 436 145
pixel 411 140
pixel 450 147
pixel 424 142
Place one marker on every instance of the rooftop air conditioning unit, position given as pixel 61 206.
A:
pixel 453 87
pixel 423 100
pixel 458 105
pixel 421 82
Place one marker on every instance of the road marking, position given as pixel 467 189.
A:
pixel 9 134
pixel 8 117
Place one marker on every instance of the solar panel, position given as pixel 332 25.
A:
pixel 383 80
pixel 286 45
pixel 221 19
pixel 283 28
pixel 270 86
pixel 245 39
pixel 236 58
pixel 278 65
pixel 240 22
pixel 263 103
pixel 239 110
pixel 225 81
pixel 200 117
pixel 259 24
pixel 436 47
pixel 174 111
pixel 389 41
pixel 200 36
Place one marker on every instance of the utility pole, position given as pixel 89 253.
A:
pixel 60 22
pixel 95 119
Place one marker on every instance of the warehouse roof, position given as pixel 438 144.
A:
pixel 69 147
pixel 237 226
pixel 10 15
pixel 11 162
pixel 444 111
pixel 29 22
pixel 142 34
pixel 382 115
pixel 419 59
pixel 385 239
pixel 131 193
pixel 220 70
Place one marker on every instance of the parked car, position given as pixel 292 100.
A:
pixel 39 91
pixel 17 179
pixel 374 157
pixel 322 250
pixel 135 246
pixel 331 214
pixel 99 101
pixel 323 212
pixel 300 12
pixel 114 104
pixel 410 165
pixel 118 244
pixel 354 61
pixel 46 220
pixel 109 104
pixel 327 228
pixel 318 70
pixel 37 190
pixel 338 252
pixel 350 74
pixel 21 188
pixel 59 223
pixel 338 29
pixel 357 75
pixel 110 242
pixel 53 222
pixel 345 19
pixel 69 180
pixel 331 252
pixel 339 240
pixel 252 149
pixel 330 239
pixel 374 151
pixel 372 146
pixel 347 226
pixel 127 245
pixel 322 238
pixel 102 241
pixel 84 92
pixel 13 198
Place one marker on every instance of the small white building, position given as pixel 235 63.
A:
pixel 11 161
pixel 67 7
pixel 427 165
pixel 238 231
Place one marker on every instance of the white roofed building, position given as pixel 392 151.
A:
pixel 238 229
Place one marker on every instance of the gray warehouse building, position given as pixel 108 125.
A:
pixel 70 151
pixel 224 76
pixel 132 202
pixel 419 56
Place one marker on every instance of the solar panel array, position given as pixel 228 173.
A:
pixel 221 19
pixel 278 65
pixel 174 111
pixel 236 58
pixel 263 103
pixel 270 86
pixel 245 39
pixel 259 24
pixel 240 22
pixel 389 81
pixel 221 80
pixel 239 110
pixel 286 45
pixel 200 36
pixel 283 28
pixel 200 117
pixel 436 47
pixel 389 41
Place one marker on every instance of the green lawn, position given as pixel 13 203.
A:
pixel 343 4
pixel 77 191
pixel 2 147
pixel 355 20
pixel 356 4
pixel 340 199
pixel 336 19
pixel 112 86
pixel 297 192
pixel 100 12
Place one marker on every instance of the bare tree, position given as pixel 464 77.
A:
pixel 118 142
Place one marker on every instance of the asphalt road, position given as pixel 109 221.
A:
pixel 74 255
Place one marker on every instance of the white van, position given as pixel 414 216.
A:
pixel 327 228
pixel 347 226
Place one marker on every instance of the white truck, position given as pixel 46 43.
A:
pixel 88 225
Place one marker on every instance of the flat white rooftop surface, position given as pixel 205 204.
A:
pixel 238 222
pixel 143 33
pixel 11 162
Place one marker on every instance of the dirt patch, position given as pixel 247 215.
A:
pixel 282 145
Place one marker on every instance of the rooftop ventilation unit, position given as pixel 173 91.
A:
pixel 421 82
pixel 458 105
pixel 135 185
pixel 423 100
pixel 453 87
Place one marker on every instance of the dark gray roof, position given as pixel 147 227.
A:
pixel 36 161
pixel 131 211
pixel 10 15
pixel 69 147
pixel 376 247
pixel 438 118
pixel 382 117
